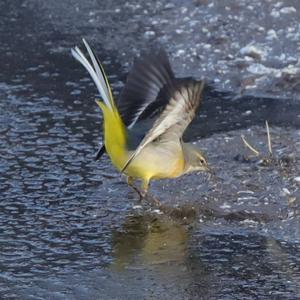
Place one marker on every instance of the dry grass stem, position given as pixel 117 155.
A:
pixel 249 146
pixel 269 138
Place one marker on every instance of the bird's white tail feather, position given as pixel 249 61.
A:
pixel 97 73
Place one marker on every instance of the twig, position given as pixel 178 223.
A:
pixel 249 146
pixel 269 139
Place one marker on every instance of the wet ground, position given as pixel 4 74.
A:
pixel 70 228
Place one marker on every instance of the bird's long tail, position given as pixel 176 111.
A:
pixel 96 72
pixel 114 128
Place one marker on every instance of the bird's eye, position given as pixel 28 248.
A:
pixel 201 160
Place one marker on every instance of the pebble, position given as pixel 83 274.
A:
pixel 292 200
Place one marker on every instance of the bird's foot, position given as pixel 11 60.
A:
pixel 153 201
pixel 130 182
pixel 140 193
pixel 143 192
pixel 144 195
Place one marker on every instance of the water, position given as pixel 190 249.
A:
pixel 70 228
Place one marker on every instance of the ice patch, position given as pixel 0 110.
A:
pixel 225 206
pixel 149 34
pixel 274 13
pixel 253 51
pixel 291 70
pixel 271 35
pixel 288 10
pixel 259 69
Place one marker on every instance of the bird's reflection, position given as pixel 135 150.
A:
pixel 158 250
pixel 155 248
pixel 151 240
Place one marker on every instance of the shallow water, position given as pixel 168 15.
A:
pixel 70 228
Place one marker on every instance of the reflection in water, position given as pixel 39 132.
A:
pixel 280 259
pixel 194 263
pixel 149 240
pixel 156 247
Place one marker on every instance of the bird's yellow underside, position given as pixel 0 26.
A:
pixel 152 163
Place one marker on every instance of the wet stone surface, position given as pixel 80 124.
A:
pixel 70 228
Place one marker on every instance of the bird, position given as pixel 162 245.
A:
pixel 143 130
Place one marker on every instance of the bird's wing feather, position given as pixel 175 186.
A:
pixel 150 73
pixel 176 116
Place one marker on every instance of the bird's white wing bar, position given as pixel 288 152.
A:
pixel 177 115
pixel 150 73
pixel 138 113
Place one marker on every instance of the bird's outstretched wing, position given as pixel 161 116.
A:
pixel 139 98
pixel 183 101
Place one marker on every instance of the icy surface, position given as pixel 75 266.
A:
pixel 70 228
pixel 220 40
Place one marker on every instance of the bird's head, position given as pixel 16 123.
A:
pixel 194 159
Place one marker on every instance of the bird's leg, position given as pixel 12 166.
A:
pixel 144 188
pixel 130 182
pixel 152 200
pixel 143 192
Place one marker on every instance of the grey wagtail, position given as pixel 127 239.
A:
pixel 138 147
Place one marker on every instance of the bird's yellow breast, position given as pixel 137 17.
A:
pixel 157 162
